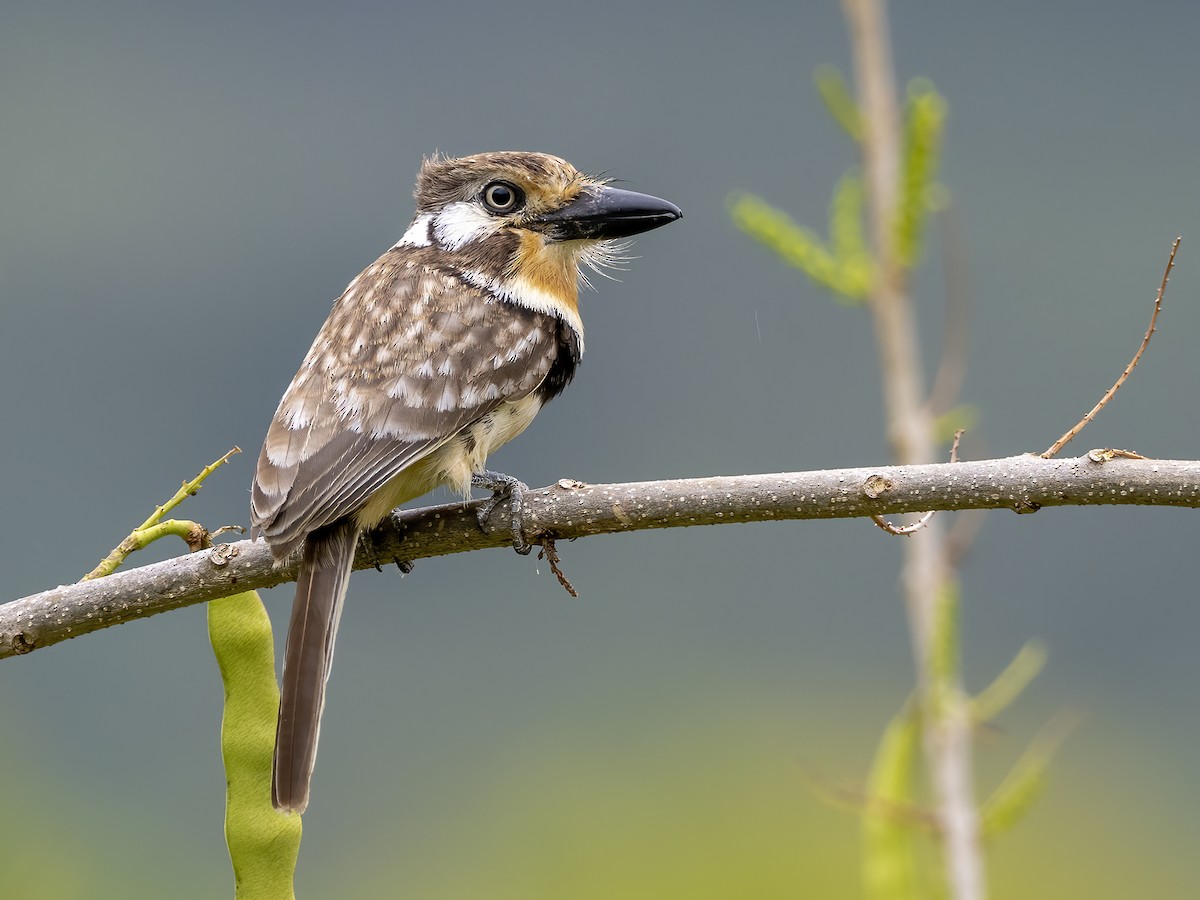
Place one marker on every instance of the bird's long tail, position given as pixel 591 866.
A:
pixel 320 590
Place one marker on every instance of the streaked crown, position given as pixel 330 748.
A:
pixel 547 182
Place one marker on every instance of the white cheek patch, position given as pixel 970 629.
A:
pixel 417 234
pixel 462 223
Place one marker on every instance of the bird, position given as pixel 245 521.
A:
pixel 435 355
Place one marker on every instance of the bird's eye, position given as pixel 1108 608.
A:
pixel 502 197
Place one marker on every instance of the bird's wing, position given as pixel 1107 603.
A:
pixel 409 357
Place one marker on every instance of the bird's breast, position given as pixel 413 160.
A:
pixel 467 453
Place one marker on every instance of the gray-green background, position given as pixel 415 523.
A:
pixel 185 188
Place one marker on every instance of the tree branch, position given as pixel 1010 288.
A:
pixel 571 509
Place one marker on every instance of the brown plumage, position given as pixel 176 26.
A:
pixel 439 352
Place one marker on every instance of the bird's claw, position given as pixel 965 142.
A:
pixel 504 487
pixel 370 544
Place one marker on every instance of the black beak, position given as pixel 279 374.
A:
pixel 600 213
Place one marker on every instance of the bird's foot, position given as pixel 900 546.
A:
pixel 371 545
pixel 504 487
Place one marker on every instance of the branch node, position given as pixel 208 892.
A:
pixel 876 486
pixel 197 538
pixel 882 485
pixel 222 553
pixel 21 644
pixel 1106 454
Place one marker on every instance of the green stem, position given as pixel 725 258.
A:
pixel 263 842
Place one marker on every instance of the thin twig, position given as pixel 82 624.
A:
pixel 154 528
pixel 1108 395
pixel 856 800
pixel 903 530
pixel 549 552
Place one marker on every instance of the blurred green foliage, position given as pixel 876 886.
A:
pixel 842 264
pixel 924 119
pixel 890 843
pixel 895 863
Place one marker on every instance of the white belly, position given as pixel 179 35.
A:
pixel 453 463
pixel 462 457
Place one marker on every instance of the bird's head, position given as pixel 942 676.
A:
pixel 520 223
